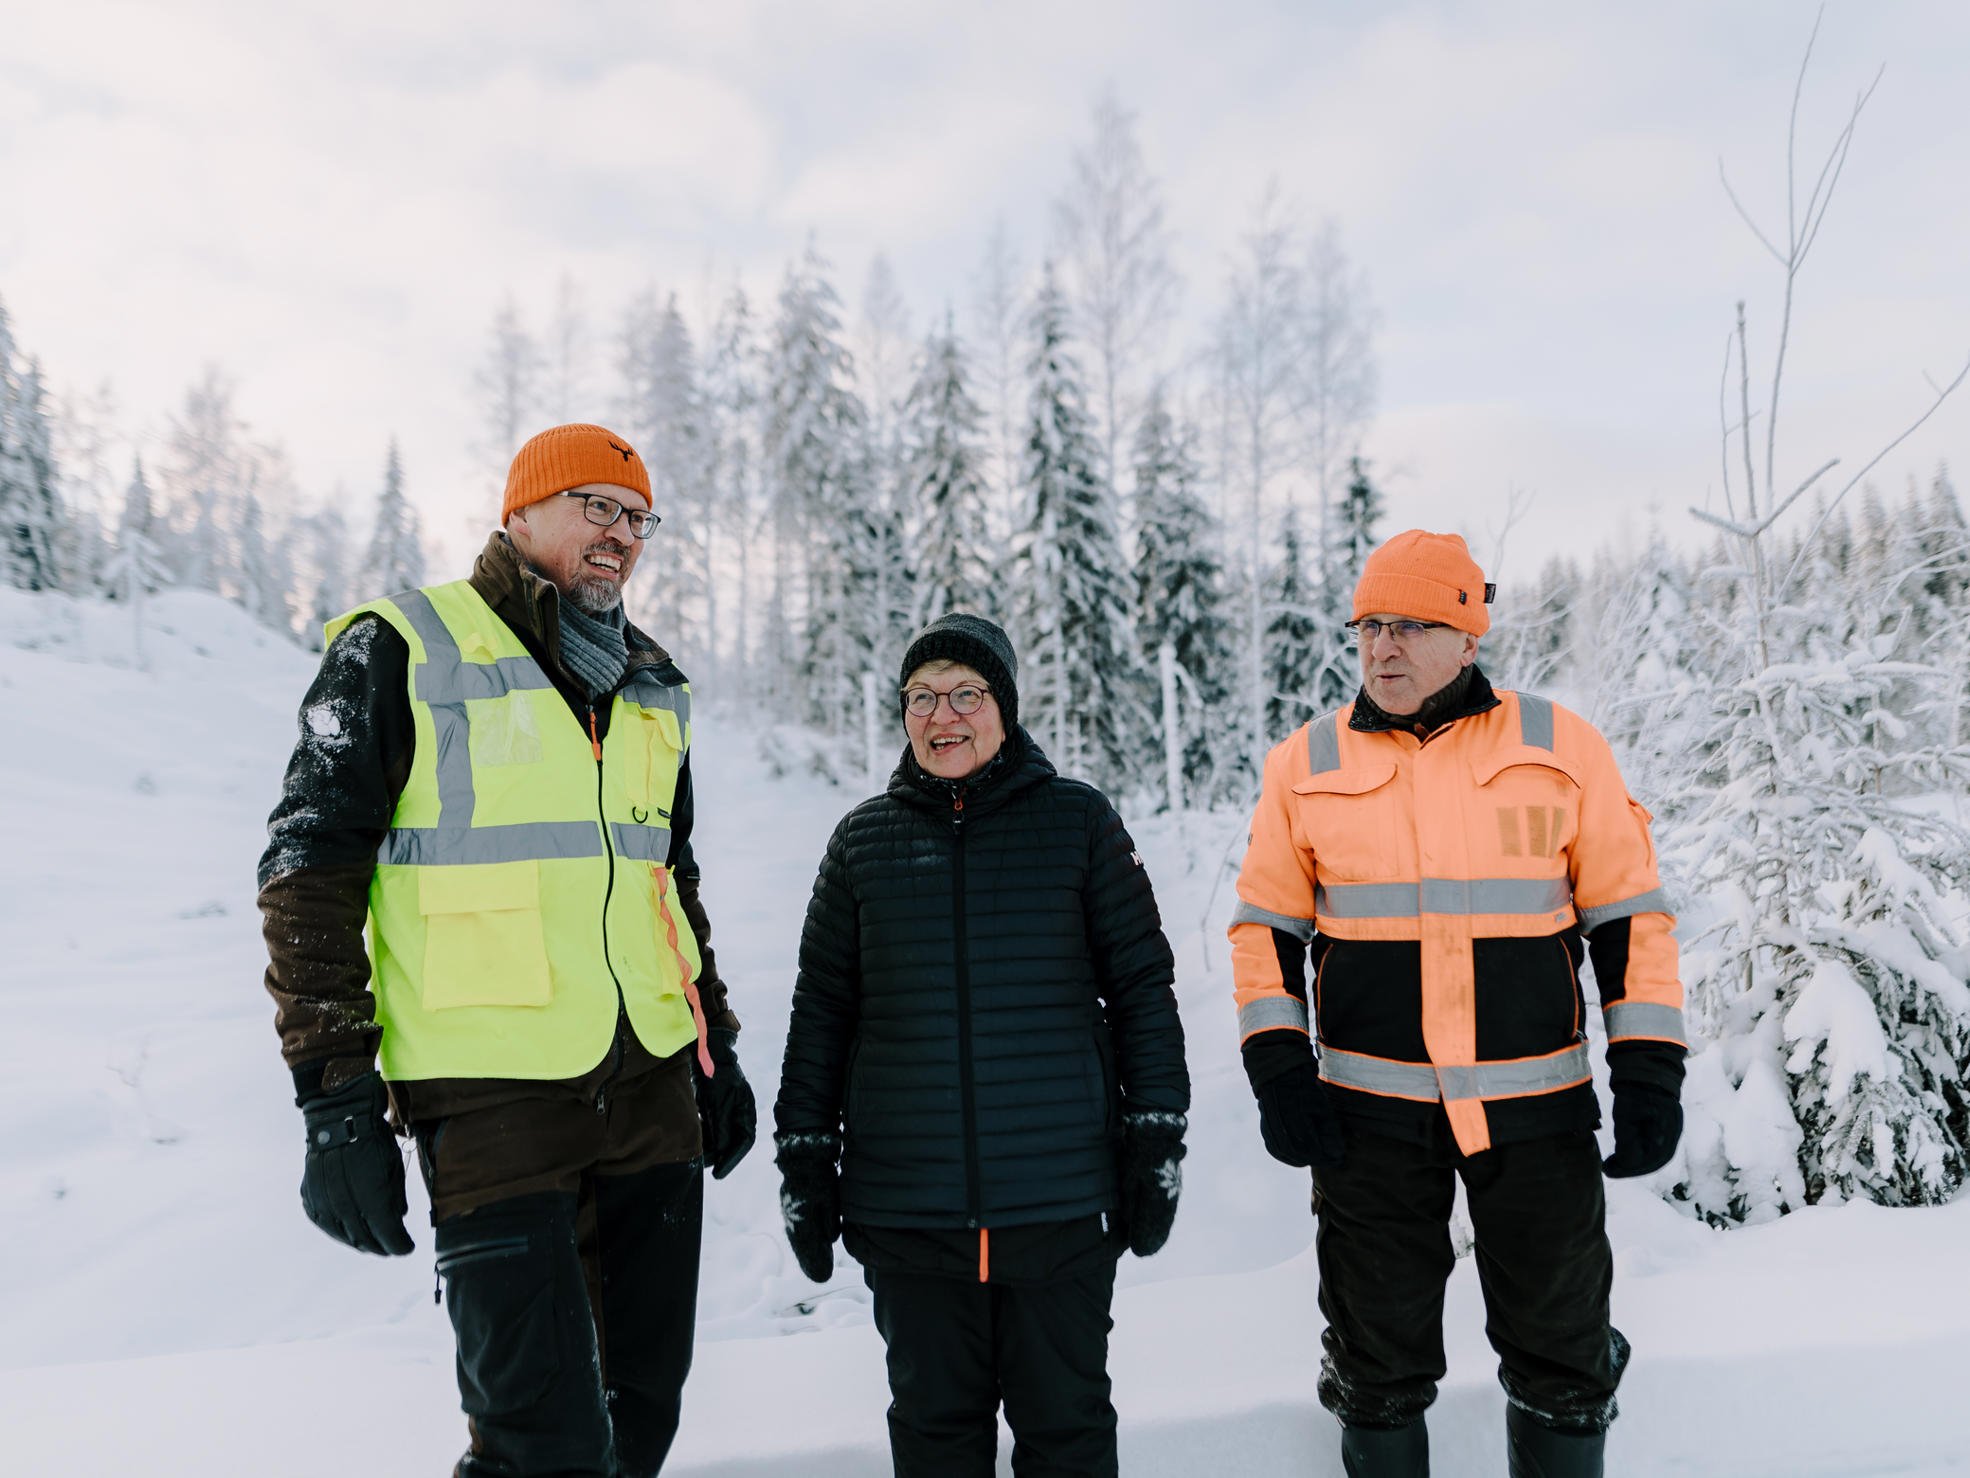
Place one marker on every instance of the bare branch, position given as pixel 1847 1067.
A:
pixel 1745 215
pixel 1908 431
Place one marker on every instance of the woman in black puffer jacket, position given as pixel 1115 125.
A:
pixel 984 1088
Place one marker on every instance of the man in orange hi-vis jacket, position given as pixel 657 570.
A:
pixel 1446 853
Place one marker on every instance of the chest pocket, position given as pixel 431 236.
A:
pixel 653 782
pixel 1356 824
pixel 1527 810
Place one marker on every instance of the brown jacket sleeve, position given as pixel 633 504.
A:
pixel 349 765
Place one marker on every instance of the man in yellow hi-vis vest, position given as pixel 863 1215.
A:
pixel 493 780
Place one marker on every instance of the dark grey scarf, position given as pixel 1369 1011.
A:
pixel 594 648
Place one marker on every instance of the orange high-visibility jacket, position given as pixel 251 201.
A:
pixel 1444 885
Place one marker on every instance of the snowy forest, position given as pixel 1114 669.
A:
pixel 1171 532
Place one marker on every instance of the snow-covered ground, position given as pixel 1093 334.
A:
pixel 166 1309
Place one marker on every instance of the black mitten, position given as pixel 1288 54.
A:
pixel 1648 1121
pixel 1152 1177
pixel 352 1183
pixel 726 1111
pixel 810 1199
pixel 1298 1120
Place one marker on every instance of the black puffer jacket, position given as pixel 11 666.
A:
pixel 984 987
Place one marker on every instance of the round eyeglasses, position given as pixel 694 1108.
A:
pixel 966 699
pixel 605 511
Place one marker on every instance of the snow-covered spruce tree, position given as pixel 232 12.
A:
pixel 1179 591
pixel 394 558
pixel 663 414
pixel 266 572
pixel 323 586
pixel 1293 637
pixel 1080 687
pixel 30 509
pixel 136 566
pixel 1352 534
pixel 944 484
pixel 1824 905
pixel 732 466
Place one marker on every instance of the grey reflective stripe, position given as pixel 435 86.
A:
pixel 1656 900
pixel 1323 744
pixel 1366 901
pixel 1644 1019
pixel 640 843
pixel 1271 1012
pixel 653 694
pixel 527 841
pixel 1536 721
pixel 1442 896
pixel 1251 913
pixel 1379 1074
pixel 444 681
pixel 1496 895
pixel 1482 1080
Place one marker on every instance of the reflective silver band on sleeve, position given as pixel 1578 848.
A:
pixel 1656 900
pixel 1644 1019
pixel 1323 744
pixel 1459 896
pixel 526 841
pixel 1536 721
pixel 1251 913
pixel 1420 1080
pixel 640 843
pixel 1269 1012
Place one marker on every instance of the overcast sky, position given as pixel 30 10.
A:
pixel 330 202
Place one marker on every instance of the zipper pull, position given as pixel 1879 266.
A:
pixel 957 808
pixel 593 737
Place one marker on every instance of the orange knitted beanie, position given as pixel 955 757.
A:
pixel 1430 577
pixel 573 456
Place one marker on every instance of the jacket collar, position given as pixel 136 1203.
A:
pixel 531 606
pixel 1464 696
pixel 1017 766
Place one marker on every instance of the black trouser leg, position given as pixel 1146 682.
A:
pixel 1384 1252
pixel 648 1229
pixel 526 1341
pixel 944 1407
pixel 1539 1213
pixel 1051 1341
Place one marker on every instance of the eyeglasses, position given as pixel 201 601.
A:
pixel 1367 632
pixel 966 699
pixel 605 511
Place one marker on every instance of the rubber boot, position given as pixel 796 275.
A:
pixel 1537 1451
pixel 1386 1452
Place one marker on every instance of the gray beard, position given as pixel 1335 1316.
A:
pixel 597 597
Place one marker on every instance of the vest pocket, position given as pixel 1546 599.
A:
pixel 484 944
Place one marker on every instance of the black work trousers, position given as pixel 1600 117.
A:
pixel 957 1348
pixel 574 1312
pixel 1538 1214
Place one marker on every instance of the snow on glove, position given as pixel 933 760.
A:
pixel 1152 1178
pixel 352 1184
pixel 810 1200
pixel 1648 1121
pixel 725 1106
pixel 1298 1120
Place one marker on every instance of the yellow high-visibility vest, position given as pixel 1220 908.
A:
pixel 523 891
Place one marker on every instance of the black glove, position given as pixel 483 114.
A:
pixel 810 1200
pixel 1152 1178
pixel 725 1107
pixel 1648 1121
pixel 1298 1120
pixel 352 1185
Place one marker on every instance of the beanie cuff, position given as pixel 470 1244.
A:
pixel 1424 599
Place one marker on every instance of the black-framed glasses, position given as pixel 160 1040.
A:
pixel 966 699
pixel 1367 632
pixel 603 512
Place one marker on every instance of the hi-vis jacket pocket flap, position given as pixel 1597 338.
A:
pixel 479 887
pixel 668 729
pixel 1488 767
pixel 1355 780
